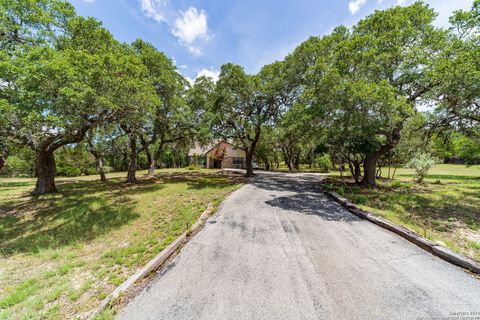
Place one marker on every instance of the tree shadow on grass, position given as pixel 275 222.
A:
pixel 438 213
pixel 15 184
pixel 84 211
pixel 200 180
pixel 415 205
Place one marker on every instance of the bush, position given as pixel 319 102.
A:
pixel 323 163
pixel 69 171
pixel 88 171
pixel 341 191
pixel 107 169
pixel 359 199
pixel 422 163
pixel 16 167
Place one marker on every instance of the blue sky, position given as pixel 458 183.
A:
pixel 202 35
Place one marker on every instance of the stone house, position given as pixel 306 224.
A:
pixel 220 154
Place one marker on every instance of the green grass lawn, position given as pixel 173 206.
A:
pixel 61 254
pixel 445 208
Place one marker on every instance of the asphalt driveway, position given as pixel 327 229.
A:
pixel 279 249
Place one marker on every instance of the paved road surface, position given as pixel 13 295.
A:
pixel 278 249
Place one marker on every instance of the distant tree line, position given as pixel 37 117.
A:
pixel 73 100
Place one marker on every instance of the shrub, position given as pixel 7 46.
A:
pixel 192 167
pixel 107 169
pixel 397 184
pixel 341 191
pixel 88 171
pixel 323 163
pixel 359 199
pixel 68 171
pixel 422 163
pixel 16 167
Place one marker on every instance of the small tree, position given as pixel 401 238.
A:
pixel 220 152
pixel 422 163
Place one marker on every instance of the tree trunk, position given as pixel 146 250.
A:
pixel 132 166
pixel 355 170
pixel 46 170
pixel 296 163
pixel 289 165
pixel 394 172
pixel 151 163
pixel 250 151
pixel 249 164
pixel 370 163
pixel 150 157
pixel 288 159
pixel 3 158
pixel 369 170
pixel 100 169
pixel 379 172
pixel 98 161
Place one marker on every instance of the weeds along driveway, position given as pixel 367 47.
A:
pixel 279 249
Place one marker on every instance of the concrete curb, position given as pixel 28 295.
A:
pixel 438 250
pixel 153 264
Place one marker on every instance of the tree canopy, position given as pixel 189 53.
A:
pixel 357 95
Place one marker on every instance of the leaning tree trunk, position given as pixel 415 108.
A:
pixel 132 166
pixel 46 170
pixel 289 165
pixel 355 170
pixel 98 161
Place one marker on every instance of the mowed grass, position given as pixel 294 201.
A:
pixel 61 254
pixel 445 208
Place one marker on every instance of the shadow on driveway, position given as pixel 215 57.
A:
pixel 303 196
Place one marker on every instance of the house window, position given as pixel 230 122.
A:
pixel 238 160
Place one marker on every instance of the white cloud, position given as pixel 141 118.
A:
pixel 155 9
pixel 190 27
pixel 209 73
pixel 355 5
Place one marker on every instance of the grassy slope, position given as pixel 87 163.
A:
pixel 445 208
pixel 61 254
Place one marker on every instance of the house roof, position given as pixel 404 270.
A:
pixel 200 150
